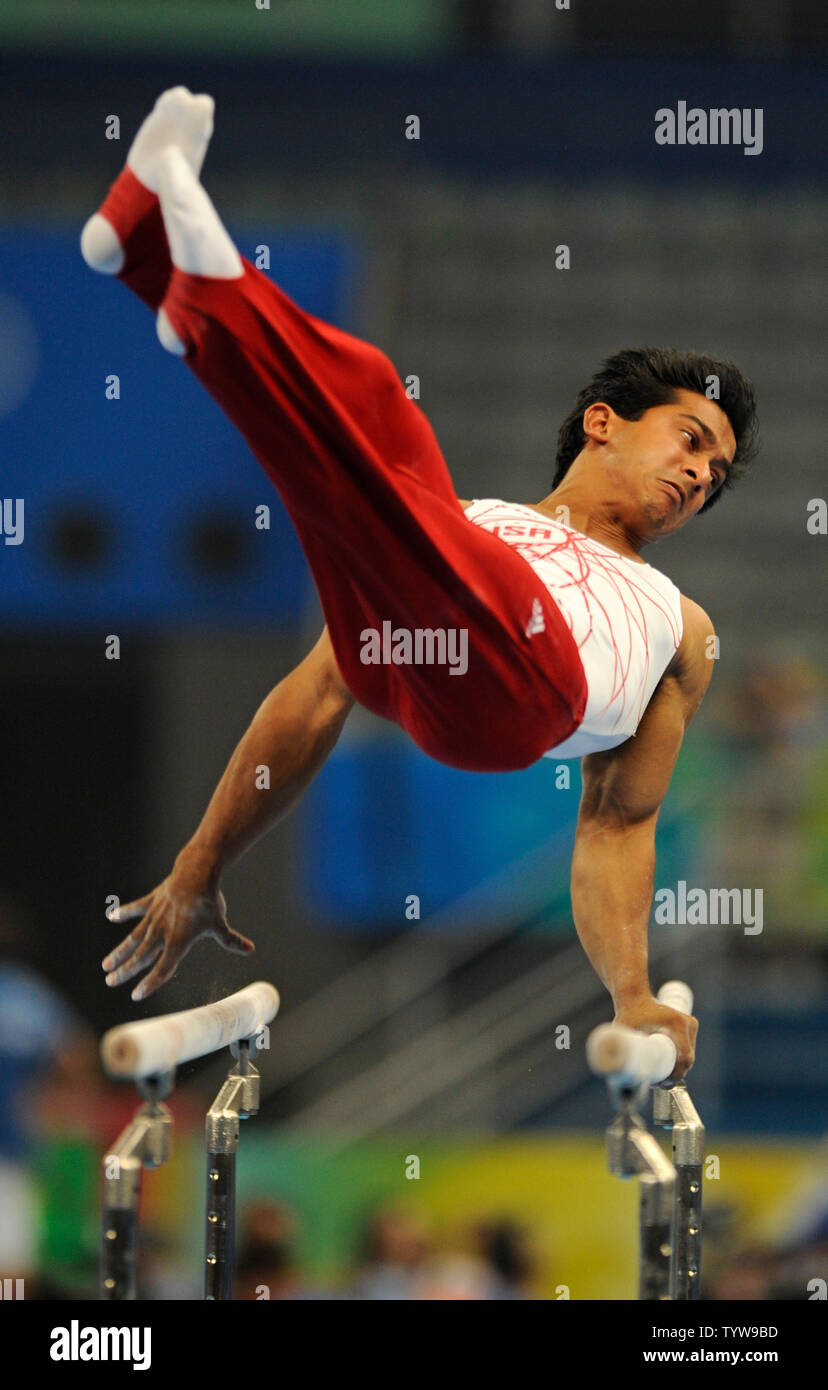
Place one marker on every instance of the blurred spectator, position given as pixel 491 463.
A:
pixel 395 1248
pixel 504 1245
pixel 400 1261
pixel 745 1278
pixel 267 1264
pixel 45 1049
pixel 454 1278
pixel 497 1265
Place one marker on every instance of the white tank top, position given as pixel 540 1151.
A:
pixel 625 617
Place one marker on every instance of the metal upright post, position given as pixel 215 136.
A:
pixel 632 1151
pixel 145 1143
pixel 237 1099
pixel 673 1109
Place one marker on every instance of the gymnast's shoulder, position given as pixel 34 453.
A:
pixel 692 664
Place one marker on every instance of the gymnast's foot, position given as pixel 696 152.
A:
pixel 199 242
pixel 179 120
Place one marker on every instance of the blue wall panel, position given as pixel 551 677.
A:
pixel 148 466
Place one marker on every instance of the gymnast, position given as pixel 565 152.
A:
pixel 574 646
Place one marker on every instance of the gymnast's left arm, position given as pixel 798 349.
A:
pixel 613 863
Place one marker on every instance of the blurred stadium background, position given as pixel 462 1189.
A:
pixel 438 1037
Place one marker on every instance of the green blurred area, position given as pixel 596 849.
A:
pixel 360 27
pixel 67 1171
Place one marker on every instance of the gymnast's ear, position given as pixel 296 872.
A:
pixel 598 420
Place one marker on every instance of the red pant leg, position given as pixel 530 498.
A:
pixel 135 213
pixel 362 477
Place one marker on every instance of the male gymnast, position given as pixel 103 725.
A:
pixel 576 646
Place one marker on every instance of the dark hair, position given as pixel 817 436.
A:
pixel 635 379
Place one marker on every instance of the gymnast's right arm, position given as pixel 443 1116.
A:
pixel 292 733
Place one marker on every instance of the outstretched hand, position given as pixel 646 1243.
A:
pixel 184 907
pixel 649 1016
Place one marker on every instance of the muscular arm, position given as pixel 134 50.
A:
pixel 292 734
pixel 614 857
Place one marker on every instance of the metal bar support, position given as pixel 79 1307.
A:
pixel 674 1110
pixel 634 1152
pixel 145 1143
pixel 237 1100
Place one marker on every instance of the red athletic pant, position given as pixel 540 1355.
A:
pixel 361 475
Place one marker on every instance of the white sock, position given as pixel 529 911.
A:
pixel 167 336
pixel 199 242
pixel 177 118
pixel 101 247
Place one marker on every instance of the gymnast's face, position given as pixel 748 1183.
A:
pixel 658 472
